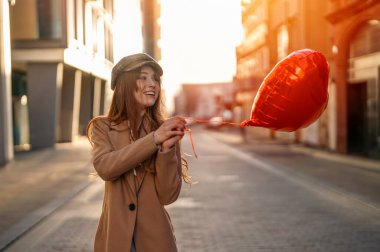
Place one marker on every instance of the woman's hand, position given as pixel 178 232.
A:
pixel 168 144
pixel 170 132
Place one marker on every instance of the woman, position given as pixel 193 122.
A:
pixel 137 153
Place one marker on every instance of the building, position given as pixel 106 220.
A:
pixel 62 52
pixel 356 75
pixel 151 27
pixel 203 101
pixel 294 25
pixel 6 138
pixel 55 78
pixel 274 29
pixel 252 55
pixel 347 32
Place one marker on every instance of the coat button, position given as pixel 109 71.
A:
pixel 132 207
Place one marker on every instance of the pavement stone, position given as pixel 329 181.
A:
pixel 355 176
pixel 243 201
pixel 37 183
pixel 70 229
pixel 247 203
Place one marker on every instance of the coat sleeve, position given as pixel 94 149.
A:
pixel 168 175
pixel 110 163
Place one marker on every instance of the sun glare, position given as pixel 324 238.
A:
pixel 128 39
pixel 198 40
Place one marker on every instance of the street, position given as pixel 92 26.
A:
pixel 245 199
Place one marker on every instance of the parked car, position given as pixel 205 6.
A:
pixel 215 122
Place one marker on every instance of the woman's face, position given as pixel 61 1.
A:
pixel 148 88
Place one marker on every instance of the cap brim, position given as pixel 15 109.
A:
pixel 153 64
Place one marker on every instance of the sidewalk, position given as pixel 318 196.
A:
pixel 38 182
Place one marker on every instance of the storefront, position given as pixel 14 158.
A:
pixel 356 74
pixel 363 106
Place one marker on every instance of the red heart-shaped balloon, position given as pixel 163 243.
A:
pixel 294 94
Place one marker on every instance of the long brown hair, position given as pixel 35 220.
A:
pixel 123 107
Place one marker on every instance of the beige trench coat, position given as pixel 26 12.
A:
pixel 126 215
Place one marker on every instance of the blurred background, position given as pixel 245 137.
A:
pixel 316 189
pixel 56 58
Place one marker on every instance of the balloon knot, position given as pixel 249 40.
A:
pixel 245 123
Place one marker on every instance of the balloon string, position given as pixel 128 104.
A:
pixel 203 121
pixel 192 144
pixel 208 121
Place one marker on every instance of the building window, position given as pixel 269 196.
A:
pixel 366 40
pixel 49 19
pixel 282 42
pixel 108 43
pixel 36 19
pixel 108 36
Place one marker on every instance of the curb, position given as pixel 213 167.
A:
pixel 366 163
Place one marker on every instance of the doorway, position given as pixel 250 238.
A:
pixel 357 119
pixel 20 114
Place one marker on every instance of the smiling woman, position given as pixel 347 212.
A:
pixel 137 153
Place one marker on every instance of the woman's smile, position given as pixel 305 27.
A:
pixel 150 93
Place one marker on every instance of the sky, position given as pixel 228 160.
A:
pixel 198 41
pixel 127 22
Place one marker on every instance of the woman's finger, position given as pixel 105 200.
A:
pixel 170 142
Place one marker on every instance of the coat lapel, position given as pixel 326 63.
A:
pixel 119 136
pixel 142 172
pixel 123 126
